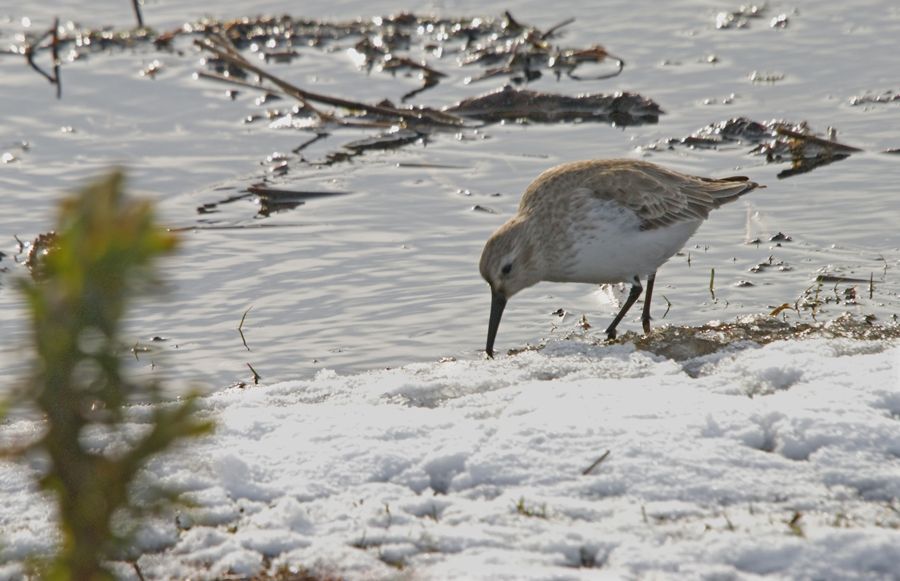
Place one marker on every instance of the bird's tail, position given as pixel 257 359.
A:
pixel 724 190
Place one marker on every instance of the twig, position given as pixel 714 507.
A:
pixel 871 285
pixel 556 27
pixel 824 143
pixel 258 87
pixel 619 62
pixel 134 564
pixel 137 12
pixel 230 55
pixel 310 141
pixel 54 47
pixel 241 330
pixel 779 309
pixel 29 56
pixel 596 463
pixel 668 306
pixel 234 81
pixel 712 281
pixel 256 376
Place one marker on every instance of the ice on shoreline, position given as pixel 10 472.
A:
pixel 777 460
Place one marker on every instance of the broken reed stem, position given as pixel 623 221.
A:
pixel 596 463
pixel 29 55
pixel 137 12
pixel 54 47
pixel 241 329
pixel 871 285
pixel 552 30
pixel 668 306
pixel 712 282
pixel 256 376
pixel 137 571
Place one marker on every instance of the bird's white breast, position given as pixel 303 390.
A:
pixel 606 245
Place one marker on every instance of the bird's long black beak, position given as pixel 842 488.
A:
pixel 498 303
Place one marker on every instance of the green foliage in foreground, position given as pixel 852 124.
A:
pixel 106 249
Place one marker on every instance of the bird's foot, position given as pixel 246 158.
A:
pixel 610 334
pixel 646 325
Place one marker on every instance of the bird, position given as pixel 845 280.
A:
pixel 599 222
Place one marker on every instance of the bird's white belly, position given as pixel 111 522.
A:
pixel 618 250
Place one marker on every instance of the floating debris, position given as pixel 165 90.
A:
pixel 804 150
pixel 777 140
pixel 771 263
pixel 739 18
pixel 152 69
pixel 38 250
pixel 780 237
pixel 836 278
pixel 734 131
pixel 758 77
pixel 399 43
pixel 780 21
pixel 510 103
pixel 881 98
pixel 395 137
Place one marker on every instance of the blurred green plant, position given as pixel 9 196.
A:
pixel 105 252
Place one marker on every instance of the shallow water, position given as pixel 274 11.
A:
pixel 388 274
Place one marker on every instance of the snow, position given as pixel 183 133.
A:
pixel 780 461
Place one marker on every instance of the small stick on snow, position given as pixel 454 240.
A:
pixel 256 376
pixel 596 463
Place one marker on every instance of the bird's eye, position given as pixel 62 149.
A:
pixel 506 268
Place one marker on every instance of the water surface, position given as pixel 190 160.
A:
pixel 388 274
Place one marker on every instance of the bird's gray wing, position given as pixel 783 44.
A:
pixel 660 197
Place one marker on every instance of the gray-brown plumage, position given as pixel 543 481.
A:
pixel 599 221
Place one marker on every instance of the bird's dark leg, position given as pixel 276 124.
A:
pixel 645 317
pixel 633 295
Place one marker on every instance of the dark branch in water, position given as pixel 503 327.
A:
pixel 137 12
pixel 29 55
pixel 230 55
pixel 55 54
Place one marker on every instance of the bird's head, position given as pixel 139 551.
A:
pixel 509 263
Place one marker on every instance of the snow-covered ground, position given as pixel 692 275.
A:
pixel 780 461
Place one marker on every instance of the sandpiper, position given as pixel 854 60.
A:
pixel 599 221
